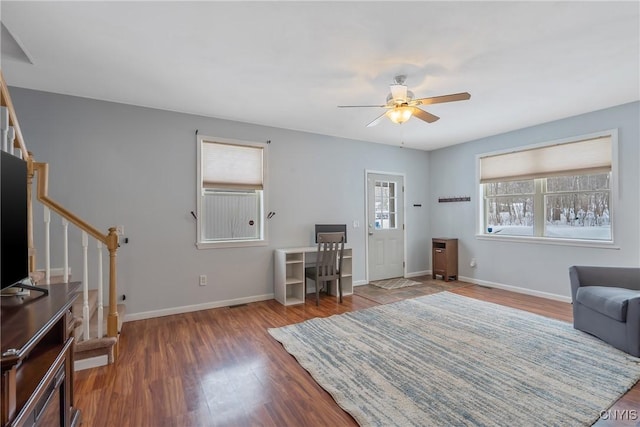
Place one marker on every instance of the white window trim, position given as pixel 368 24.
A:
pixel 235 243
pixel 609 244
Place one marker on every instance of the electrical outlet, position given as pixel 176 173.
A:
pixel 203 280
pixel 473 263
pixel 120 230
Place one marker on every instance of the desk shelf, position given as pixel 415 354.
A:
pixel 289 275
pixel 289 281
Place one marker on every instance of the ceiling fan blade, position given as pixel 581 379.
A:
pixel 445 98
pixel 423 115
pixel 360 106
pixel 377 120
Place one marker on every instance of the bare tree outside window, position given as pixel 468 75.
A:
pixel 509 207
pixel 578 207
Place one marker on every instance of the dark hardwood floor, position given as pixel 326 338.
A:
pixel 220 367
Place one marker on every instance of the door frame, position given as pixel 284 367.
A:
pixel 366 217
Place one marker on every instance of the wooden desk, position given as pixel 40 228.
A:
pixel 37 358
pixel 289 282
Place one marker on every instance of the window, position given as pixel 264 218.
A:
pixel 231 193
pixel 561 190
pixel 385 205
pixel 509 207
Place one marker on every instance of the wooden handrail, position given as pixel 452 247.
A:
pixel 5 101
pixel 42 170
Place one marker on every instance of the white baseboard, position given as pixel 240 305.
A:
pixel 91 362
pixel 195 307
pixel 360 283
pixel 516 289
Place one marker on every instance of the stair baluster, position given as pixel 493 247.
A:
pixel 85 284
pixel 65 265
pixel 4 128
pixel 47 245
pixel 100 292
pixel 11 137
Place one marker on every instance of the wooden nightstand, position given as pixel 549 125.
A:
pixel 444 258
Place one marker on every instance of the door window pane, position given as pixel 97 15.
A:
pixel 385 205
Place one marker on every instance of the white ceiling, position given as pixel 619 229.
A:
pixel 289 64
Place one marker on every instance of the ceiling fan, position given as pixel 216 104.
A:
pixel 401 104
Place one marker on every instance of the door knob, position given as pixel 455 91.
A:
pixel 371 233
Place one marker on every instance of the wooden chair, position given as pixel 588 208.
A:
pixel 328 262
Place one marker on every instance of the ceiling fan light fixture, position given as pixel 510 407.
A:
pixel 398 100
pixel 398 93
pixel 399 115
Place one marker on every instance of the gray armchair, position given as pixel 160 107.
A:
pixel 606 304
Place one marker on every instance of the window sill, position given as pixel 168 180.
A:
pixel 231 244
pixel 550 241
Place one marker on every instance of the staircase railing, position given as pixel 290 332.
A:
pixel 110 240
pixel 12 139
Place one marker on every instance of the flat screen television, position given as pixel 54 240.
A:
pixel 14 243
pixel 331 228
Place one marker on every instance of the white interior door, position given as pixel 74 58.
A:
pixel 385 223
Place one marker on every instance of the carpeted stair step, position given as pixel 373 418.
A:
pixel 95 347
pixel 98 346
pixel 38 277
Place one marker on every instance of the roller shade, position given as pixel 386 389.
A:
pixel 584 157
pixel 231 166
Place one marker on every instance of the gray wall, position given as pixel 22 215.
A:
pixel 116 164
pixel 540 268
pixel 119 164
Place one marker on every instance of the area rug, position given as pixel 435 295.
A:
pixel 396 283
pixel 449 360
